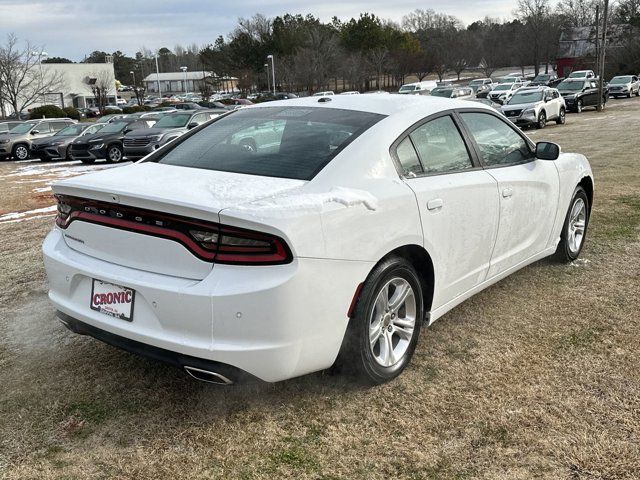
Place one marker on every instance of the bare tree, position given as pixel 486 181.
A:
pixel 101 84
pixel 535 14
pixel 577 13
pixel 22 78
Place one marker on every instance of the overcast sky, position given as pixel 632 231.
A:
pixel 74 28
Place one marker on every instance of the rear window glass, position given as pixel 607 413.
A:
pixel 285 142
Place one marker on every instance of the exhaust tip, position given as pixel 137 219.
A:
pixel 208 376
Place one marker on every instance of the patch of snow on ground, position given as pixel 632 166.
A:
pixel 14 216
pixel 580 262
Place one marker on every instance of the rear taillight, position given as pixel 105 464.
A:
pixel 206 240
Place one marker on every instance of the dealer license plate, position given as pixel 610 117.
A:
pixel 112 300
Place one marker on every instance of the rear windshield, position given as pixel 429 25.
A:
pixel 569 85
pixel 284 142
pixel 444 92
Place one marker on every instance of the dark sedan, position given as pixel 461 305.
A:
pixel 58 145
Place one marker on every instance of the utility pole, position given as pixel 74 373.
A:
pixel 158 78
pixel 601 59
pixel 266 65
pixel 598 40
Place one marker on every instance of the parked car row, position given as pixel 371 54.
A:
pixel 113 137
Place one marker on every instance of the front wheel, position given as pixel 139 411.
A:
pixel 542 120
pixel 20 152
pixel 384 330
pixel 579 106
pixel 562 118
pixel 574 229
pixel 114 154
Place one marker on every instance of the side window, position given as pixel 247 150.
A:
pixel 199 118
pixel 498 143
pixel 43 127
pixel 440 146
pixel 408 157
pixel 57 126
pixel 593 84
pixel 548 95
pixel 556 94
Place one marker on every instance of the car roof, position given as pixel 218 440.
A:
pixel 380 104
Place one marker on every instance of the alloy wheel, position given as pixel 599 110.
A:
pixel 392 322
pixel 115 155
pixel 579 106
pixel 577 225
pixel 21 152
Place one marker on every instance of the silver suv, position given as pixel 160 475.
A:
pixel 17 141
pixel 535 106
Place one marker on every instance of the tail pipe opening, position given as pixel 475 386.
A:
pixel 208 376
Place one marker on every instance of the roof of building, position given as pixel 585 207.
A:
pixel 197 75
pixel 580 42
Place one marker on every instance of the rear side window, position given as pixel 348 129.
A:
pixel 43 127
pixel 285 142
pixel 408 158
pixel 498 143
pixel 440 146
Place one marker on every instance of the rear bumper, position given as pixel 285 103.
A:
pixel 166 356
pixel 273 322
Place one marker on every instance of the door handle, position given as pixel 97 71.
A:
pixel 435 204
pixel 507 192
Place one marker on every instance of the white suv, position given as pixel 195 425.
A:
pixel 536 106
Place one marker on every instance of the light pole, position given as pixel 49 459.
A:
pixel 273 73
pixel 266 65
pixel 133 74
pixel 158 78
pixel 184 85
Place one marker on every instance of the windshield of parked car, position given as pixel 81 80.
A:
pixel 620 80
pixel 71 130
pixel 526 97
pixel 114 127
pixel 571 86
pixel 475 83
pixel 284 142
pixel 23 128
pixel 504 86
pixel 578 75
pixel 442 92
pixel 173 121
pixel 408 88
pixel 542 78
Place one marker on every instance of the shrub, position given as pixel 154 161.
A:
pixel 47 111
pixel 110 111
pixel 71 113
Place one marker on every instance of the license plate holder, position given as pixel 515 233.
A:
pixel 112 300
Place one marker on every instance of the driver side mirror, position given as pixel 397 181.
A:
pixel 192 125
pixel 126 130
pixel 547 151
pixel 35 132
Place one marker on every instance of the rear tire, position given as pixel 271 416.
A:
pixel 562 118
pixel 574 230
pixel 383 333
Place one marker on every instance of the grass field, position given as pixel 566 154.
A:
pixel 536 377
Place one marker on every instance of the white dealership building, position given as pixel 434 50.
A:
pixel 75 86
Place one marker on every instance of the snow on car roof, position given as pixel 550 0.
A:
pixel 381 104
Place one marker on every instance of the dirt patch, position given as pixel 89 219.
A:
pixel 536 377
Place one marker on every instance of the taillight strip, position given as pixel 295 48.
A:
pixel 176 228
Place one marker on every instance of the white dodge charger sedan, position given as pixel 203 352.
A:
pixel 278 239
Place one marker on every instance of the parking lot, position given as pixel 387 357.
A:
pixel 534 377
